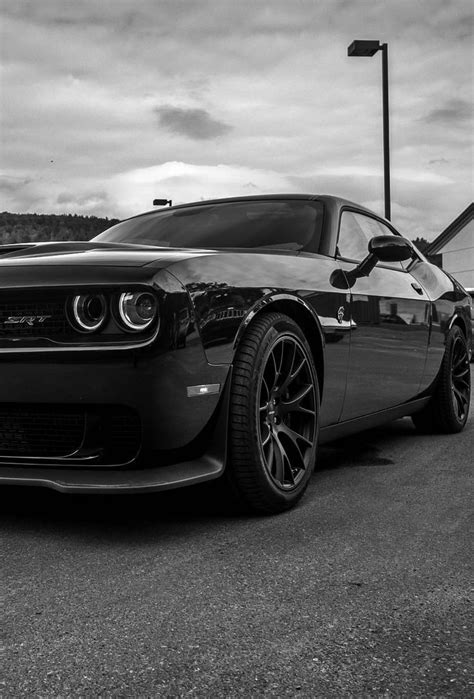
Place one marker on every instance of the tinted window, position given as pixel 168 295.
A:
pixel 355 232
pixel 289 225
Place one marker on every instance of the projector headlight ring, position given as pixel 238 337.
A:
pixel 137 310
pixel 89 312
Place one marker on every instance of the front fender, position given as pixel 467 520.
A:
pixel 278 300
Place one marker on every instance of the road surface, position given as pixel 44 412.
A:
pixel 362 589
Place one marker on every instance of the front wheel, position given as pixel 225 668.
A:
pixel 274 415
pixel 448 409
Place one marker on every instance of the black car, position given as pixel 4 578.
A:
pixel 225 339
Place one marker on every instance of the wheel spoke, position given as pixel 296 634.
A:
pixel 292 375
pixel 298 369
pixel 280 363
pixel 275 369
pixel 461 395
pixel 461 401
pixel 462 381
pixel 294 404
pixel 289 470
pixel 460 358
pixel 291 363
pixel 279 464
pixel 294 436
pixel 270 456
pixel 268 437
pixel 289 369
pixel 457 350
pixel 463 371
pixel 297 460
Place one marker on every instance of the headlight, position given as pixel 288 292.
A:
pixel 137 310
pixel 89 312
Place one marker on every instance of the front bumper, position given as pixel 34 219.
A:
pixel 129 481
pixel 182 438
pixel 52 392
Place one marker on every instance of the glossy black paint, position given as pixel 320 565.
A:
pixel 377 342
pixel 389 249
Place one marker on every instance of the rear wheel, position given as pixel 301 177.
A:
pixel 274 415
pixel 449 407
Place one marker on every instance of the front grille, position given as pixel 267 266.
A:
pixel 28 431
pixel 39 318
pixel 121 430
pixel 35 314
pixel 110 433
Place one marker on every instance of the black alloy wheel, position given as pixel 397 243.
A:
pixel 287 407
pixel 448 408
pixel 274 415
pixel 460 379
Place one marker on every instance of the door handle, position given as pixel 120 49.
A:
pixel 417 288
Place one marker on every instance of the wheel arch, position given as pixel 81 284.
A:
pixel 459 321
pixel 299 311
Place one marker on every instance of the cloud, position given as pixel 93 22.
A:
pixel 192 123
pixel 438 161
pixel 133 191
pixel 12 184
pixel 455 110
pixel 88 201
pixel 220 98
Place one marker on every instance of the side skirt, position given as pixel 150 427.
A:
pixel 344 429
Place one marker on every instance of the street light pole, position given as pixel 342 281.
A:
pixel 386 132
pixel 370 48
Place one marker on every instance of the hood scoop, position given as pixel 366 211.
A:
pixel 91 254
pixel 64 248
pixel 16 247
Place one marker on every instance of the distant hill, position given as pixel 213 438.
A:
pixel 20 228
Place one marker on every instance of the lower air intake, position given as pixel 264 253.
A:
pixel 27 431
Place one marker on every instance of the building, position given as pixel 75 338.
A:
pixel 453 249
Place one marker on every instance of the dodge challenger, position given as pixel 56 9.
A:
pixel 222 339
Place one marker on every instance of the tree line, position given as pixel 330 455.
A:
pixel 22 228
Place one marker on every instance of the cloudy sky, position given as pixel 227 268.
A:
pixel 107 104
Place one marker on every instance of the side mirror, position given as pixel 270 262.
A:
pixel 390 248
pixel 383 248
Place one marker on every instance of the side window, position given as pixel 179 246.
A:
pixel 353 241
pixel 354 234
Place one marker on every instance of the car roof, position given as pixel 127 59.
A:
pixel 331 201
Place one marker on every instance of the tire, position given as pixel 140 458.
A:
pixel 448 409
pixel 274 415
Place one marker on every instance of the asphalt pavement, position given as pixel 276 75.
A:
pixel 362 590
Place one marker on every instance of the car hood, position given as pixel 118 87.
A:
pixel 67 254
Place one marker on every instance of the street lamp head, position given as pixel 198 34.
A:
pixel 363 48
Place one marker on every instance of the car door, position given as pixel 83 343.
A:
pixel 390 317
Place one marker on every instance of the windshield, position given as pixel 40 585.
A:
pixel 287 225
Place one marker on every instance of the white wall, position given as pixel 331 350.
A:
pixel 458 255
